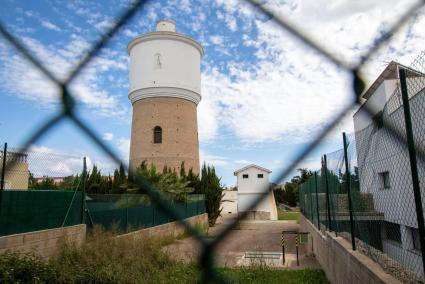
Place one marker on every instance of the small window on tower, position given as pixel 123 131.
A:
pixel 157 135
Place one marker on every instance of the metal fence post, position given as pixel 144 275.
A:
pixel 283 248
pixel 328 204
pixel 350 201
pixel 83 190
pixel 3 169
pixel 311 203
pixel 317 201
pixel 126 213
pixel 413 162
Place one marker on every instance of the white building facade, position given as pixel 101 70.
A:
pixel 384 165
pixel 253 184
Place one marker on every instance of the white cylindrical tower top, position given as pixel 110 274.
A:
pixel 165 26
pixel 165 63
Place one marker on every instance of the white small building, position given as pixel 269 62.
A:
pixel 253 183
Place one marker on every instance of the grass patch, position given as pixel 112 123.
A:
pixel 268 275
pixel 288 215
pixel 105 259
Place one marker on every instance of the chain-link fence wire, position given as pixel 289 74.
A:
pixel 47 187
pixel 385 176
pixel 40 170
pixel 41 191
pixel 383 202
pixel 68 111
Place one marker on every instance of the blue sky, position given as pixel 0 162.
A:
pixel 264 94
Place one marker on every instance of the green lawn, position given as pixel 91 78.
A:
pixel 288 215
pixel 110 260
pixel 264 275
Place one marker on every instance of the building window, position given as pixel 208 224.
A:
pixel 245 176
pixel 392 232
pixel 385 180
pixel 415 238
pixel 260 175
pixel 157 135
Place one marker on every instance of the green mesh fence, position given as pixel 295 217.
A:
pixel 25 211
pixel 374 170
pixel 127 212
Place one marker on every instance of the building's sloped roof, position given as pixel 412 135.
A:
pixel 251 166
pixel 390 72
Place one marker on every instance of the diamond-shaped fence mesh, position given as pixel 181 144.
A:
pixel 383 211
pixel 366 204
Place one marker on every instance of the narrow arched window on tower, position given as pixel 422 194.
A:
pixel 157 135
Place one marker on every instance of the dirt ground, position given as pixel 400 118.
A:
pixel 248 236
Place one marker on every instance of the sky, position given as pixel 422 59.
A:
pixel 265 95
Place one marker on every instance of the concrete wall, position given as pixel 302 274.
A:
pixel 170 229
pixel 340 263
pixel 229 203
pixel 44 243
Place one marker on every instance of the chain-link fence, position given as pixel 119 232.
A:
pixel 38 169
pixel 68 111
pixel 46 190
pixel 366 190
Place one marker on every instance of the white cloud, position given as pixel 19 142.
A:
pixel 49 25
pixel 293 92
pixel 124 147
pixel 45 161
pixel 231 22
pixel 130 33
pixel 25 81
pixel 244 162
pixel 104 24
pixel 216 39
pixel 52 162
pixel 214 160
pixel 108 136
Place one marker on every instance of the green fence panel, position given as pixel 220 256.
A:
pixel 108 219
pixel 192 209
pixel 160 217
pixel 26 211
pixel 181 207
pixel 140 217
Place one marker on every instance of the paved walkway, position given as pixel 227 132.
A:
pixel 248 236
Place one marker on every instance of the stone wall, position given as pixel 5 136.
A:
pixel 340 263
pixel 257 215
pixel 172 229
pixel 44 243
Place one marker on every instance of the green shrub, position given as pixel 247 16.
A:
pixel 213 190
pixel 28 268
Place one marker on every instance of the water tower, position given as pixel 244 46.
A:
pixel 165 89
